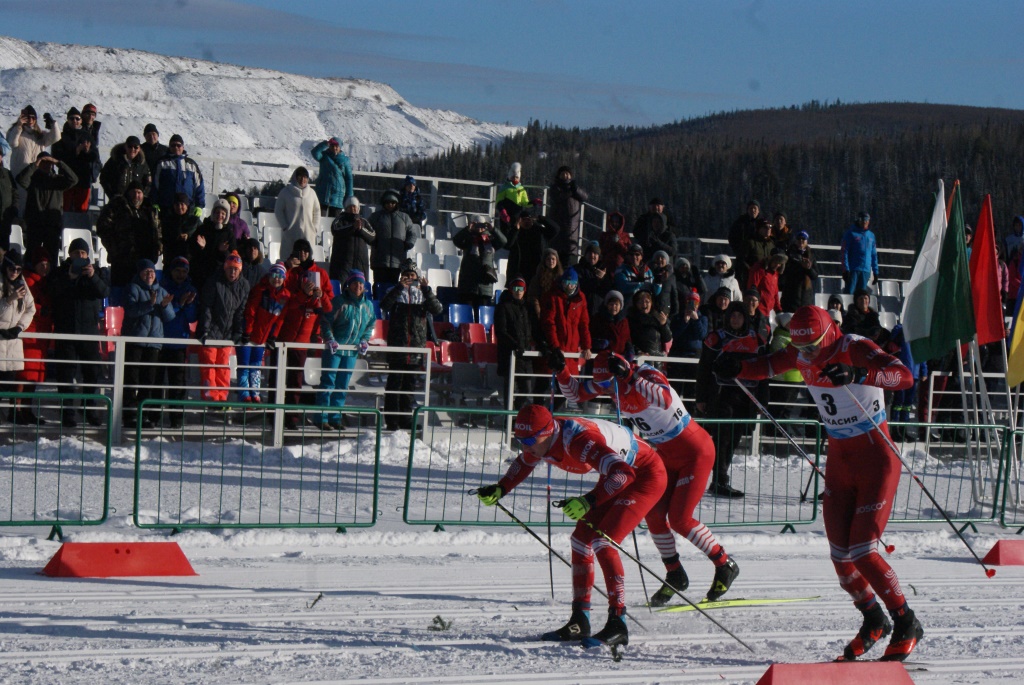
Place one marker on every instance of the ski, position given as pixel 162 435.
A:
pixel 732 603
pixel 591 642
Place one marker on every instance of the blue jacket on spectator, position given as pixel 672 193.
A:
pixel 349 322
pixel 334 183
pixel 858 250
pixel 178 174
pixel 142 318
pixel 184 316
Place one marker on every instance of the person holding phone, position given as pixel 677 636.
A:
pixel 17 307
pixel 45 183
pixel 27 140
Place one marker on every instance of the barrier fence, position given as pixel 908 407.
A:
pixel 200 475
pixel 65 470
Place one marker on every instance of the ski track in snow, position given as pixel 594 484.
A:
pixel 246 618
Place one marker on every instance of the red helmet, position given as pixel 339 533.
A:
pixel 812 325
pixel 602 376
pixel 533 423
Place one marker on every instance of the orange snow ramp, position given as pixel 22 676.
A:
pixel 112 559
pixel 1006 553
pixel 848 673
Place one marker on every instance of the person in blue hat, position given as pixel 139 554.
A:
pixel 349 323
pixel 410 201
pixel 147 306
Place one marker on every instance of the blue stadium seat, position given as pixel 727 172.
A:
pixel 485 315
pixel 381 289
pixel 460 314
pixel 376 310
pixel 336 284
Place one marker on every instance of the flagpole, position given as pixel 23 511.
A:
pixel 988 417
pixel 1012 401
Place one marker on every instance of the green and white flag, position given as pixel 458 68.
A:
pixel 937 309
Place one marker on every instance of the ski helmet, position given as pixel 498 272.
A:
pixel 533 423
pixel 812 325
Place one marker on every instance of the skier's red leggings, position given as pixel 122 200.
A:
pixel 615 518
pixel 860 482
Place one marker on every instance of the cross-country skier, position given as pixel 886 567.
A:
pixel 632 480
pixel 862 472
pixel 659 415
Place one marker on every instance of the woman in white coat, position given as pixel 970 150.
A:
pixel 298 212
pixel 17 307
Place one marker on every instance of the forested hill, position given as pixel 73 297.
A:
pixel 818 164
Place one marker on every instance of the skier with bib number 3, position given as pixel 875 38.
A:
pixel 862 471
pixel 632 480
pixel 643 394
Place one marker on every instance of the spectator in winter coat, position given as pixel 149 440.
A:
pixel 720 275
pixel 717 309
pixel 689 329
pixel 311 296
pixel 254 266
pixel 565 208
pixel 513 328
pixel 147 306
pixel 411 306
pixel 17 307
pixel 90 125
pixel 565 321
pixel 8 203
pixel 126 165
pixel 528 239
pixel 264 314
pixel 544 279
pixel 350 322
pixel 859 255
pixel 78 292
pixel 221 317
pixel 27 140
pixel 782 232
pixel 45 183
pixel 1013 242
pixel 177 229
pixel 350 249
pixel 609 327
pixel 210 245
pixel 298 211
pixel 757 250
pixel 239 226
pixel 172 371
pixel 334 182
pixel 836 309
pixel 477 272
pixel 633 273
pixel 743 229
pixel 653 229
pixel 512 197
pixel 648 328
pixel 129 227
pixel 153 149
pixel 595 279
pixel 765 277
pixel 861 319
pixel 396 234
pixel 34 350
pixel 178 173
pixel 688 278
pixel 615 241
pixel 410 202
pixel 666 299
pixel 76 148
pixel 757 319
pixel 798 282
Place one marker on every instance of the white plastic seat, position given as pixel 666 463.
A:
pixel 888 320
pixel 443 247
pixel 274 252
pixel 452 262
pixel 421 245
pixel 271 235
pixel 427 260
pixel 439 278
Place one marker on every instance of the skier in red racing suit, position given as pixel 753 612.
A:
pixel 632 480
pixel 862 472
pixel 643 394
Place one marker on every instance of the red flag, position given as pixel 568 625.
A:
pixel 988 310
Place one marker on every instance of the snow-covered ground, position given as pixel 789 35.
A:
pixel 252 615
pixel 225 111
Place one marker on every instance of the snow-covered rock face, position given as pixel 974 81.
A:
pixel 227 112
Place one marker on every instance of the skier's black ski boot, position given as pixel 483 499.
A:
pixel 614 632
pixel 673 579
pixel 876 625
pixel 906 633
pixel 577 628
pixel 724 575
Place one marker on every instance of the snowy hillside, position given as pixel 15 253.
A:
pixel 224 111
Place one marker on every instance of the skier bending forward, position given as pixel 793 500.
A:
pixel 632 480
pixel 644 395
pixel 862 472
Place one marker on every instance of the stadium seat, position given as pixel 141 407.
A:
pixel 447 295
pixel 485 315
pixel 460 314
pixel 888 320
pixel 336 286
pixel 472 333
pixel 113 318
pixel 380 332
pixel 469 382
pixel 270 235
pixel 78 220
pixel 452 263
pixel 274 252
pixel 442 329
pixel 821 300
pixel 318 253
pixel 377 313
pixel 443 247
pixel 17 238
pixel 311 370
pixel 381 289
pixel 116 296
pixel 439 278
pixel 889 288
pixel 485 353
pixel 427 260
pixel 421 245
pixel 494 335
pixel 830 284
pixel 452 352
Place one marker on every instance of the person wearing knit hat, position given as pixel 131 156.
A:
pixel 147 307
pixel 512 198
pixel 129 227
pixel 798 283
pixel 632 479
pixel 411 202
pixel 279 270
pixel 264 310
pixel 396 235
pixel 350 248
pixel 180 262
pixel 89 123
pixel 127 164
pixel 233 261
pixel 239 226
pixel 174 173
pixel 720 275
pixel 565 320
pixel 152 149
pixel 609 325
pixel 79 244
pixel 150 128
pixel 334 182
pixel 222 304
pixel 633 273
pixel 176 140
pixel 653 230
pixel 513 329
pixel 349 323
pixel 594 278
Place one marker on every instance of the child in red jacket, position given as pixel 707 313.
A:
pixel 263 319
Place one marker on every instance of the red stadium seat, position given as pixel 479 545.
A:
pixel 485 353
pixel 472 333
pixel 380 332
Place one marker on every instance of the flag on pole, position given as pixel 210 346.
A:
pixel 1015 357
pixel 937 309
pixel 988 310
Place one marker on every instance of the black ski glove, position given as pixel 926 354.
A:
pixel 844 374
pixel 727 367
pixel 556 360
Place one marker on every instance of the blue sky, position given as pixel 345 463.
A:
pixel 583 62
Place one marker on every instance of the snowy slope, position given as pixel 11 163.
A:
pixel 225 111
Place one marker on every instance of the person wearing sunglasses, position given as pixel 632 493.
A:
pixel 642 393
pixel 863 471
pixel 632 480
pixel 126 165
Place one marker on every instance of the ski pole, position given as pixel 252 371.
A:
pixel 988 571
pixel 551 551
pixel 551 562
pixel 657 577
pixel 889 549
pixel 636 545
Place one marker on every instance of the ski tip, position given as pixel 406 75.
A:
pixel 990 572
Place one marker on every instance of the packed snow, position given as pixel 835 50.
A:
pixel 397 603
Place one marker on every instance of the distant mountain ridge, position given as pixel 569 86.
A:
pixel 227 111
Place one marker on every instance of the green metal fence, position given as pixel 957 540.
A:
pixel 53 473
pixel 211 465
pixel 1012 501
